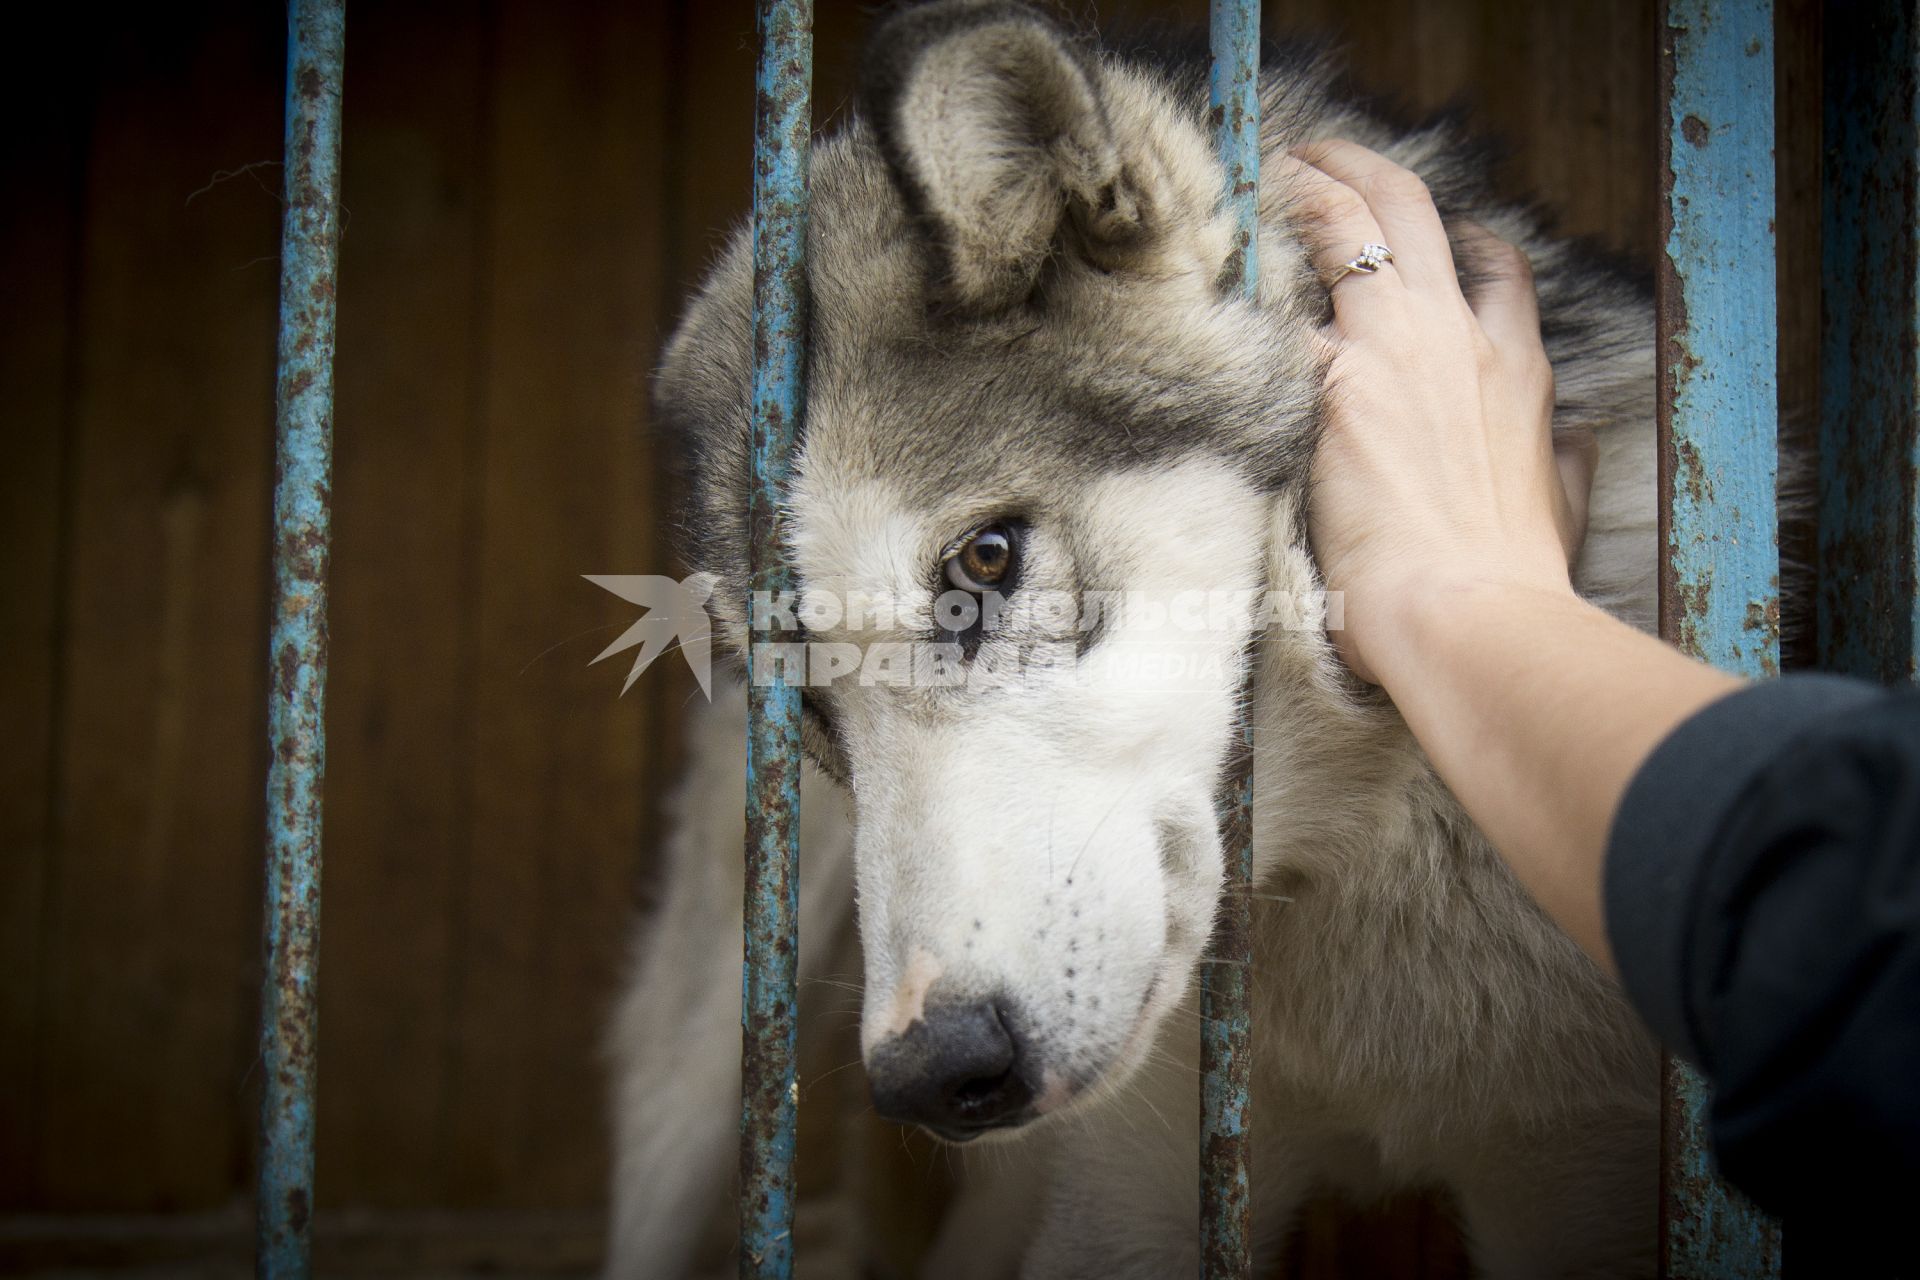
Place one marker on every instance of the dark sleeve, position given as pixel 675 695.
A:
pixel 1762 894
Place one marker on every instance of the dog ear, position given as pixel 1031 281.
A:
pixel 990 118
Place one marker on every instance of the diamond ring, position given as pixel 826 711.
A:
pixel 1371 258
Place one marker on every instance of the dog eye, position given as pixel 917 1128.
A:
pixel 985 561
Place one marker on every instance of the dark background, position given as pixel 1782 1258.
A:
pixel 529 188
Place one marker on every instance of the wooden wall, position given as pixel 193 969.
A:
pixel 529 188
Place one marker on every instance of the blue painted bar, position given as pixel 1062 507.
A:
pixel 769 1098
pixel 1226 1236
pixel 1719 420
pixel 297 647
pixel 1868 611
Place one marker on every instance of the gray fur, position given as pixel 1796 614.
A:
pixel 1419 1021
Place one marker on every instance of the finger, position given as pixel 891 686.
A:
pixel 1500 288
pixel 1334 216
pixel 1576 456
pixel 1335 222
pixel 1401 207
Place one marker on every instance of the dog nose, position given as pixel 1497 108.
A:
pixel 958 1071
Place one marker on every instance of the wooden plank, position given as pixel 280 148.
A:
pixel 1869 606
pixel 1797 200
pixel 39 259
pixel 150 1008
pixel 556 785
pixel 1409 1235
pixel 348 1243
pixel 406 514
pixel 709 142
pixel 1568 87
pixel 1588 128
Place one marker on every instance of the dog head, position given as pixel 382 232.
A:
pixel 1030 519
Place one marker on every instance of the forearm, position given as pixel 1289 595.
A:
pixel 1494 682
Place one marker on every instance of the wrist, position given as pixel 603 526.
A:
pixel 1422 617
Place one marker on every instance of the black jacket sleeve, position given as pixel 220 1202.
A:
pixel 1762 893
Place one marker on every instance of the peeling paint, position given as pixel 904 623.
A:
pixel 302 515
pixel 1707 1231
pixel 769 1095
pixel 1226 1237
pixel 1719 534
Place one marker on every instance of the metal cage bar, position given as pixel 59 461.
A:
pixel 1719 423
pixel 769 1096
pixel 1226 1248
pixel 297 674
pixel 1868 612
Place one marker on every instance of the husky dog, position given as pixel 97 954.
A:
pixel 1029 383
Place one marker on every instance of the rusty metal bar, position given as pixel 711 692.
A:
pixel 1226 1237
pixel 769 1097
pixel 297 648
pixel 1868 610
pixel 1719 420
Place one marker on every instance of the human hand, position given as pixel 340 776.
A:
pixel 1437 468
